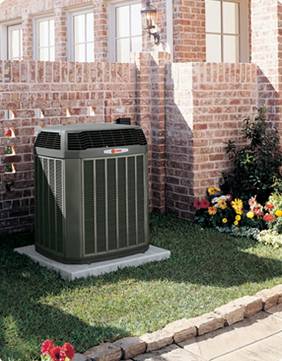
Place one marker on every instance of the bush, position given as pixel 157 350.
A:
pixel 256 165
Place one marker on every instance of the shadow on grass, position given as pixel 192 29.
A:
pixel 23 285
pixel 199 257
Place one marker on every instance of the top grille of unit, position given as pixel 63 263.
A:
pixel 105 138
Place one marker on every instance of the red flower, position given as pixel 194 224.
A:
pixel 197 203
pixel 57 354
pixel 46 347
pixel 269 218
pixel 69 350
pixel 258 212
pixel 269 206
pixel 204 204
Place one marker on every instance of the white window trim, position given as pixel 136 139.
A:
pixel 70 30
pixel 35 27
pixel 244 56
pixel 112 26
pixel 4 51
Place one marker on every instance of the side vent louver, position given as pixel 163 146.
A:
pixel 50 140
pixel 105 138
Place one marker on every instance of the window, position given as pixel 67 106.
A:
pixel 14 46
pixel 82 36
pixel 226 31
pixel 126 31
pixel 45 39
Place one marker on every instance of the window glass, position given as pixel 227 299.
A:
pixel 128 31
pixel 230 18
pixel 213 48
pixel 230 46
pixel 213 16
pixel 14 42
pixel 222 31
pixel 46 39
pixel 83 36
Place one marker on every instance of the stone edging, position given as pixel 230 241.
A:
pixel 182 330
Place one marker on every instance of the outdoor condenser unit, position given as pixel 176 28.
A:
pixel 91 192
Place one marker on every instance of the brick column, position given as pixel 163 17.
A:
pixel 60 31
pixel 27 38
pixel 100 30
pixel 189 30
pixel 151 102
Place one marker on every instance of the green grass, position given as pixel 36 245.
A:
pixel 206 269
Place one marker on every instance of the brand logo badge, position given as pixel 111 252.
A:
pixel 116 151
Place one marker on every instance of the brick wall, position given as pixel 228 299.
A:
pixel 207 103
pixel 40 94
pixel 189 30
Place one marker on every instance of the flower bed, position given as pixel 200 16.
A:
pixel 242 218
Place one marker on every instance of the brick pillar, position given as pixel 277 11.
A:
pixel 189 30
pixel 266 16
pixel 151 101
pixel 60 31
pixel 100 30
pixel 27 39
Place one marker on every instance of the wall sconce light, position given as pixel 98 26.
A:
pixel 149 19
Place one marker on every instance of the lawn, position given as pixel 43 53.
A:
pixel 206 269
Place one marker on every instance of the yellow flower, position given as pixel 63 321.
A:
pixel 236 223
pixel 250 215
pixel 238 218
pixel 212 211
pixel 213 190
pixel 224 220
pixel 222 204
pixel 278 213
pixel 237 204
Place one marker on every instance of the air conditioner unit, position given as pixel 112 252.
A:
pixel 91 192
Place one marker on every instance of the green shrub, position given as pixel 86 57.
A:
pixel 255 165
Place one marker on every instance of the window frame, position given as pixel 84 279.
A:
pixel 36 36
pixel 242 35
pixel 71 44
pixel 114 4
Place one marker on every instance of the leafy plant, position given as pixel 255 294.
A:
pixel 255 165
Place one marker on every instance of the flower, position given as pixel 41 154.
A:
pixel 57 354
pixel 204 204
pixel 222 204
pixel 238 218
pixel 250 214
pixel 224 220
pixel 258 211
pixel 278 213
pixel 197 203
pixel 69 350
pixel 237 205
pixel 269 218
pixel 236 223
pixel 212 211
pixel 46 346
pixel 269 206
pixel 213 190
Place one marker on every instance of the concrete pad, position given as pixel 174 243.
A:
pixel 229 339
pixel 269 349
pixel 72 271
pixel 170 353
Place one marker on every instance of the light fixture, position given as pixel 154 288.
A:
pixel 149 19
